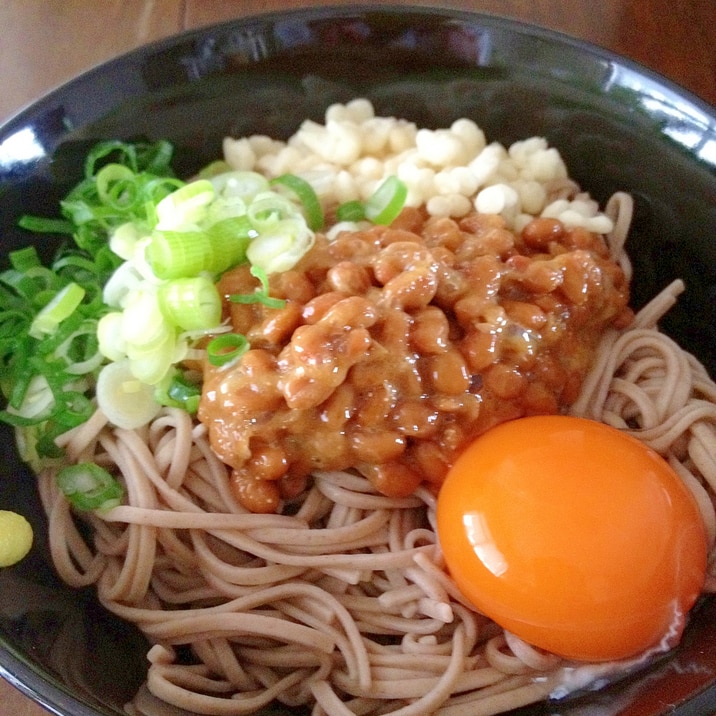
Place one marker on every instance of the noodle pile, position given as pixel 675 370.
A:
pixel 343 603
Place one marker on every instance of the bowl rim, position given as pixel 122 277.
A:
pixel 21 673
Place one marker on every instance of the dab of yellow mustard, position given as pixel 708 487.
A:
pixel 15 537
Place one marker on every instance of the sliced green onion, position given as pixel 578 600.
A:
pixel 24 259
pixel 143 325
pixel 152 157
pixel 119 285
pixel 117 186
pixel 260 274
pixel 226 348
pixel 81 209
pixel 45 444
pixel 75 409
pixel 21 286
pixel 51 405
pixel 227 207
pixel 150 366
pixel 282 246
pixel 50 343
pixel 42 225
pixel 36 401
pixel 155 157
pixel 110 196
pixel 306 195
pixel 178 391
pixel 124 238
pixel 80 350
pixel 257 297
pixel 214 169
pixel 88 486
pixel 156 189
pixel 125 153
pixel 351 211
pixel 186 394
pixel 18 374
pixel 32 283
pixel 44 277
pixel 387 201
pixel 125 400
pixel 190 303
pixel 235 232
pixel 74 263
pixel 242 184
pixel 105 262
pixel 269 209
pixel 112 343
pixel 175 254
pixel 186 206
pixel 14 323
pixel 57 310
pixel 180 254
pixel 260 295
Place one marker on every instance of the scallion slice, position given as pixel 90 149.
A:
pixel 117 187
pixel 32 400
pixel 43 225
pixel 242 184
pixel 260 295
pixel 181 254
pixel 190 303
pixel 80 349
pixel 186 206
pixel 257 297
pixel 24 259
pixel 184 393
pixel 226 348
pixel 214 169
pixel 176 254
pixel 351 211
pixel 306 195
pixel 230 237
pixel 75 409
pixel 227 208
pixel 280 247
pixel 57 310
pixel 387 201
pixel 124 399
pixel 269 209
pixel 88 486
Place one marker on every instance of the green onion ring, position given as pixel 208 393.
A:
pixel 351 211
pixel 88 486
pixel 387 201
pixel 306 195
pixel 226 348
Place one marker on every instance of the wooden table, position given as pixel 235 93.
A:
pixel 46 42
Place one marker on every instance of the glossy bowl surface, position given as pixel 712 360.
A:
pixel 618 126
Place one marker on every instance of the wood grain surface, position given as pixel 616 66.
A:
pixel 43 43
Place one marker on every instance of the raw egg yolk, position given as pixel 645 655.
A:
pixel 574 536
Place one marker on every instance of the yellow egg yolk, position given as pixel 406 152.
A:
pixel 574 536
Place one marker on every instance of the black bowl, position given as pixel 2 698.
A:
pixel 618 126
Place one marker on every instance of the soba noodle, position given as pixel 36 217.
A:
pixel 343 604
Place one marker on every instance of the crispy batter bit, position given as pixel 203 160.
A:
pixel 399 345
